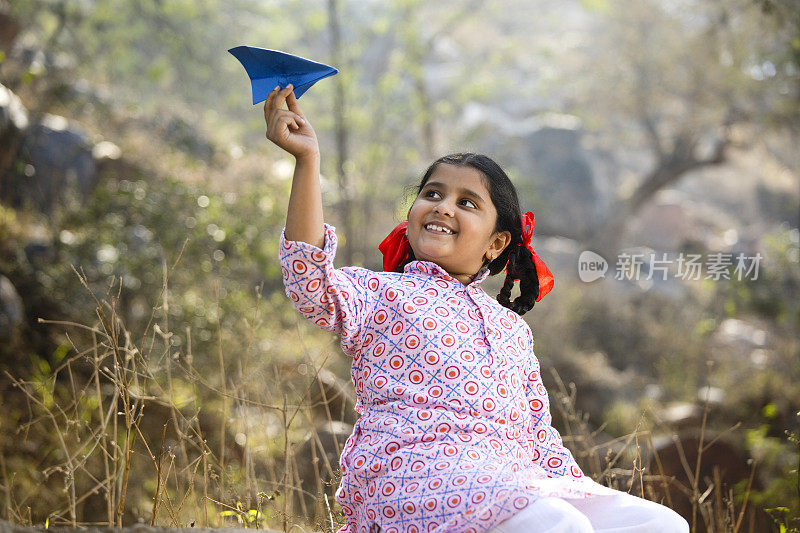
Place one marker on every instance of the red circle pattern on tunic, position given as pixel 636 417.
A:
pixel 455 429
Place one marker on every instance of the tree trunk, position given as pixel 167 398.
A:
pixel 607 239
pixel 340 129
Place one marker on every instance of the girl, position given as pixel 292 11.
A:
pixel 454 432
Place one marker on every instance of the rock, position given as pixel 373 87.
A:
pixel 112 165
pixel 39 254
pixel 13 114
pixel 61 161
pixel 11 311
pixel 673 220
pixel 554 170
pixel 564 179
pixel 664 223
pixel 733 332
pixel 13 124
pixel 45 164
pixel 681 415
pixel 106 150
pixel 598 383
pixel 9 29
pixel 186 137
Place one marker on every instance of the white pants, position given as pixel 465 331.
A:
pixel 618 513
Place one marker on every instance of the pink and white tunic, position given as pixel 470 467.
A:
pixel 454 433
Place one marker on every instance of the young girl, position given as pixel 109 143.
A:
pixel 454 432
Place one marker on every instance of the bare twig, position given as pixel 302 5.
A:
pixel 158 476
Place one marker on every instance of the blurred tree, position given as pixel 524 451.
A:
pixel 383 114
pixel 340 129
pixel 693 77
pixel 141 56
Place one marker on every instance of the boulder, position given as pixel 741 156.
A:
pixel 554 176
pixel 45 164
pixel 11 311
pixel 60 163
pixel 563 180
pixel 13 115
pixel 664 224
pixel 40 254
pixel 674 220
pixel 598 383
pixel 13 124
pixel 186 137
pixel 9 29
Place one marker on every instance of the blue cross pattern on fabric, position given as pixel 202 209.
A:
pixel 455 430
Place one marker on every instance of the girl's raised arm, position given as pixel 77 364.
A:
pixel 291 131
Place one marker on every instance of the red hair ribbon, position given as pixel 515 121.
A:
pixel 546 280
pixel 395 248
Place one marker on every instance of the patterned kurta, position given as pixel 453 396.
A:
pixel 454 432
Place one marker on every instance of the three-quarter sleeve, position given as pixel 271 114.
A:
pixel 549 451
pixel 334 299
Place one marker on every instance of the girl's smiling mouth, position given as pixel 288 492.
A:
pixel 439 229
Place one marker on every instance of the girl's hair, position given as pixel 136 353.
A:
pixel 504 197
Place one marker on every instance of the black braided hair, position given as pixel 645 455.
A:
pixel 509 218
pixel 520 265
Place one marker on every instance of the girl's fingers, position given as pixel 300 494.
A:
pixel 269 109
pixel 282 123
pixel 291 103
pixel 270 98
pixel 283 126
pixel 281 115
pixel 290 121
pixel 275 101
pixel 280 98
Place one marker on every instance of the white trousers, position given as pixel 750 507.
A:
pixel 618 513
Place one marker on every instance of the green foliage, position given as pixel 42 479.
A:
pixel 779 462
pixel 222 247
pixel 766 295
pixel 8 220
pixel 247 517
pixel 408 67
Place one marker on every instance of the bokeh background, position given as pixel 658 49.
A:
pixel 152 368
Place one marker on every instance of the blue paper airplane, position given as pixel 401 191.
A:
pixel 268 68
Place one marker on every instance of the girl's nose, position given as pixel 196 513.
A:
pixel 444 208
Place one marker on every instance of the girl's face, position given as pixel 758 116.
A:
pixel 456 199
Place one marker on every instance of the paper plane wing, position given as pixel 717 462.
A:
pixel 268 68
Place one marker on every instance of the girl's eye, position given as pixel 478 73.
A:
pixel 472 204
pixel 429 193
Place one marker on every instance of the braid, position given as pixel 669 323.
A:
pixel 520 265
pixel 504 297
pixel 529 280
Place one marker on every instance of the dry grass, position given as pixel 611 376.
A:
pixel 622 464
pixel 142 434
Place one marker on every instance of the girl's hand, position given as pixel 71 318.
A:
pixel 289 129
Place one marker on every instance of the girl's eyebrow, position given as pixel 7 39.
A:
pixel 468 192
